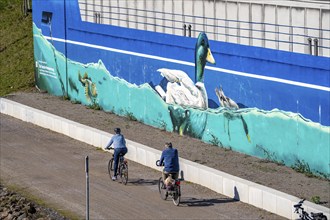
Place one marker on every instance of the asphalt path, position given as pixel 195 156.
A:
pixel 51 166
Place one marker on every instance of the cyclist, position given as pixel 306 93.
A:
pixel 170 158
pixel 119 143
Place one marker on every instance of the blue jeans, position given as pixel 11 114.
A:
pixel 118 151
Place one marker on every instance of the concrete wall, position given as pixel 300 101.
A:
pixel 248 192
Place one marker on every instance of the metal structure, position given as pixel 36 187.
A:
pixel 87 186
pixel 281 25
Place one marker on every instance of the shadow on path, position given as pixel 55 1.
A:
pixel 203 202
pixel 142 182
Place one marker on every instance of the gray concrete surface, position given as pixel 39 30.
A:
pixel 51 166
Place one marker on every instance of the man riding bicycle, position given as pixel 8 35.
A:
pixel 170 158
pixel 119 143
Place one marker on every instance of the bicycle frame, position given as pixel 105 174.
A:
pixel 303 215
pixel 173 190
pixel 122 169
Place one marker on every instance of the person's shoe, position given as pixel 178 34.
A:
pixel 114 178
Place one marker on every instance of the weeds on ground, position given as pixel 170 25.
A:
pixel 99 149
pixel 270 157
pixel 316 199
pixel 109 121
pixel 215 140
pixel 95 106
pixel 130 116
pixel 228 149
pixel 163 125
pixel 303 167
pixel 76 102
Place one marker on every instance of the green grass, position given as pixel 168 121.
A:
pixel 17 67
pixel 16 48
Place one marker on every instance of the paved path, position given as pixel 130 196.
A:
pixel 51 166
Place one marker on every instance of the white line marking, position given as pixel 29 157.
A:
pixel 50 75
pixel 233 72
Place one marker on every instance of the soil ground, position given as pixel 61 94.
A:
pixel 260 171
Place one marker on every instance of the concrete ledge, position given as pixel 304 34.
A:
pixel 234 187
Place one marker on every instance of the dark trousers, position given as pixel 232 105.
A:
pixel 118 151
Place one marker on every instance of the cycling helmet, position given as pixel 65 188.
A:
pixel 117 130
pixel 169 144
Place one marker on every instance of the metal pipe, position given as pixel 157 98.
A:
pixel 310 50
pixel 189 29
pixel 29 8
pixel 95 17
pixel 86 9
pixel 250 25
pixel 184 29
pixel 277 37
pixel 320 27
pixel 25 7
pixel 87 188
pixel 316 47
pixel 238 24
pixel 226 21
pixel 291 31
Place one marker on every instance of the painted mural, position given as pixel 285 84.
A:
pixel 180 89
pixel 178 103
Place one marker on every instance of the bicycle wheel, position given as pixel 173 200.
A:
pixel 110 168
pixel 176 196
pixel 162 189
pixel 124 173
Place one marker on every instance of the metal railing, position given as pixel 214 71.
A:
pixel 314 41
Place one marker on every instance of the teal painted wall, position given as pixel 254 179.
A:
pixel 275 134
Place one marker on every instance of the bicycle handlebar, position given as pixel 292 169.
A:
pixel 158 163
pixel 298 206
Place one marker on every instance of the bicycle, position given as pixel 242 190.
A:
pixel 173 189
pixel 122 171
pixel 303 215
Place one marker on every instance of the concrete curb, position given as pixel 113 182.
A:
pixel 234 187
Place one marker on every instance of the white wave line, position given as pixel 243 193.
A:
pixel 46 74
pixel 233 72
